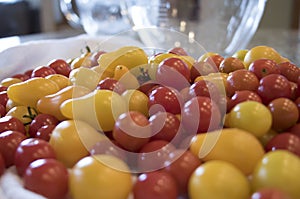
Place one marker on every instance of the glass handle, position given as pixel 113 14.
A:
pixel 72 17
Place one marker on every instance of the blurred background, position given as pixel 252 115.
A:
pixel 23 17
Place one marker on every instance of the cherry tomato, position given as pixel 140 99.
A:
pixel 45 132
pixel 40 120
pixel 29 150
pixel 3 98
pixel 289 70
pixel 214 60
pixel 11 123
pixel 111 84
pixel 284 113
pixel 216 179
pixel 2 110
pixel 136 101
pixel 279 169
pixel 295 129
pixel 173 72
pixel 241 96
pixel 273 86
pixel 3 88
pixel 60 66
pixel 22 77
pixel 178 51
pixel 286 141
pixel 132 130
pixel 9 141
pixel 200 114
pixel 241 80
pixel 231 64
pixel 240 54
pixel 166 99
pixel 100 176
pixel 2 165
pixel 42 71
pixel 202 68
pixel 47 177
pixel 181 164
pixel 264 67
pixel 269 193
pixel 157 184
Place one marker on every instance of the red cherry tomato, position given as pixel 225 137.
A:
pixel 163 98
pixel 157 184
pixel 200 114
pixel 9 141
pixel 295 129
pixel 42 71
pixel 214 60
pixel 111 84
pixel 47 177
pixel 178 51
pixel 273 86
pixel 60 66
pixel 290 71
pixel 11 123
pixel 202 68
pixel 45 132
pixel 2 110
pixel 241 96
pixel 286 141
pixel 231 64
pixel 40 120
pixel 29 150
pixel 3 88
pixel 22 77
pixel 3 98
pixel 132 130
pixel 2 165
pixel 264 67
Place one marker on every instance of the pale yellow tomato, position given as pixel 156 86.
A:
pixel 9 81
pixel 136 101
pixel 218 179
pixel 61 80
pixel 100 176
pixel 240 54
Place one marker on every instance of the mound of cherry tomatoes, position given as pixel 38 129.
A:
pixel 124 124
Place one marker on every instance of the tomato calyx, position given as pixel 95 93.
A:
pixel 31 115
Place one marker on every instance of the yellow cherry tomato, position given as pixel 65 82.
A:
pixel 100 176
pixel 136 101
pixel 50 104
pixel 240 54
pixel 231 145
pixel 206 55
pixel 27 93
pixel 260 52
pixel 100 108
pixel 72 139
pixel 218 179
pixel 10 81
pixel 159 58
pixel 120 70
pixel 84 77
pixel 61 80
pixel 279 169
pixel 251 116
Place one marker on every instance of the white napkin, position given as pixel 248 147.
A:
pixel 29 55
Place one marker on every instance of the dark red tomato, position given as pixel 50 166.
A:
pixel 2 165
pixel 11 123
pixel 241 96
pixel 111 84
pixel 269 193
pixel 294 90
pixel 45 132
pixel 47 177
pixel 205 89
pixel 3 98
pixel 274 86
pixel 178 51
pixel 153 155
pixel 164 126
pixel 231 64
pixel 22 77
pixel 157 184
pixel 214 60
pixel 29 150
pixel 263 67
pixel 166 99
pixel 40 120
pixel 290 71
pixel 173 72
pixel 132 130
pixel 28 72
pixel 286 141
pixel 2 110
pixel 241 80
pixel 181 164
pixel 42 71
pixel 147 86
pixel 108 147
pixel 202 68
pixel 60 66
pixel 200 115
pixel 295 129
pixel 284 113
pixel 9 141
pixel 3 88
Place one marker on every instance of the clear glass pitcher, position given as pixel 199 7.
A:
pixel 222 26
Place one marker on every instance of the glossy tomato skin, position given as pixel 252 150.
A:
pixel 45 132
pixel 3 98
pixel 40 120
pixel 60 66
pixel 22 77
pixel 42 71
pixel 285 141
pixel 200 115
pixel 157 184
pixel 111 84
pixel 273 86
pixel 29 150
pixel 3 88
pixel 214 60
pixel 241 96
pixel 47 177
pixel 2 165
pixel 231 64
pixel 206 89
pixel 264 67
pixel 2 110
pixel 290 71
pixel 11 123
pixel 9 141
